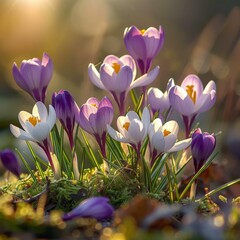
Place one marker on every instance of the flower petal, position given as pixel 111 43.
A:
pixel 19 79
pixel 40 132
pixel 178 146
pixel 123 79
pixel 146 118
pixel 121 120
pixel 23 116
pixel 171 126
pixel 95 76
pixel 135 43
pixel 157 142
pixel 51 120
pixel 83 119
pixel 104 116
pixel 110 59
pixel 180 101
pixel 40 111
pixel 195 81
pixel 93 101
pixel 170 140
pixel 32 74
pixel 129 61
pixel 154 40
pixel 19 133
pixel 116 135
pixel 131 115
pixel 136 131
pixel 46 70
pixel 146 79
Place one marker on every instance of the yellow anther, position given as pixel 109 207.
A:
pixel 191 93
pixel 116 67
pixel 142 31
pixel 126 125
pixel 94 105
pixel 34 120
pixel 166 132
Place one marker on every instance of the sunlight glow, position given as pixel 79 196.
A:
pixel 32 3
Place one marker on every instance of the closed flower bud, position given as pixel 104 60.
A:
pixel 66 110
pixel 202 147
pixel 10 161
pixel 34 75
pixel 94 207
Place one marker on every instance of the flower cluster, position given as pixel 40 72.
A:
pixel 149 131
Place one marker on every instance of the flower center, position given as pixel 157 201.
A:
pixel 126 125
pixel 116 67
pixel 142 31
pixel 34 120
pixel 191 93
pixel 166 132
pixel 94 105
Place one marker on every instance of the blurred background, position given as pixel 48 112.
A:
pixel 202 37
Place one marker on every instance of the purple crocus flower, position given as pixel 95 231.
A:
pixel 67 111
pixel 190 99
pixel 94 207
pixel 202 147
pixel 117 76
pixel 34 75
pixel 10 161
pixel 94 116
pixel 143 45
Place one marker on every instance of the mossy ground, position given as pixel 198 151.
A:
pixel 33 210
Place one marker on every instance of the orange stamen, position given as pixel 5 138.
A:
pixel 142 31
pixel 166 132
pixel 116 67
pixel 34 120
pixel 126 125
pixel 191 93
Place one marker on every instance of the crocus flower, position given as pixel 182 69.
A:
pixel 94 207
pixel 36 126
pixel 190 99
pixel 202 147
pixel 163 138
pixel 131 129
pixel 117 76
pixel 34 75
pixel 94 116
pixel 67 111
pixel 143 45
pixel 10 161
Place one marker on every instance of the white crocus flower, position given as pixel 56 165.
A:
pixel 36 126
pixel 163 138
pixel 131 129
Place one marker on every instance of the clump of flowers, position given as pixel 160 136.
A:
pixel 147 141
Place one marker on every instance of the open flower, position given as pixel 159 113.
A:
pixel 131 129
pixel 34 75
pixel 67 111
pixel 117 76
pixel 143 45
pixel 10 161
pixel 94 207
pixel 163 138
pixel 36 125
pixel 202 147
pixel 190 99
